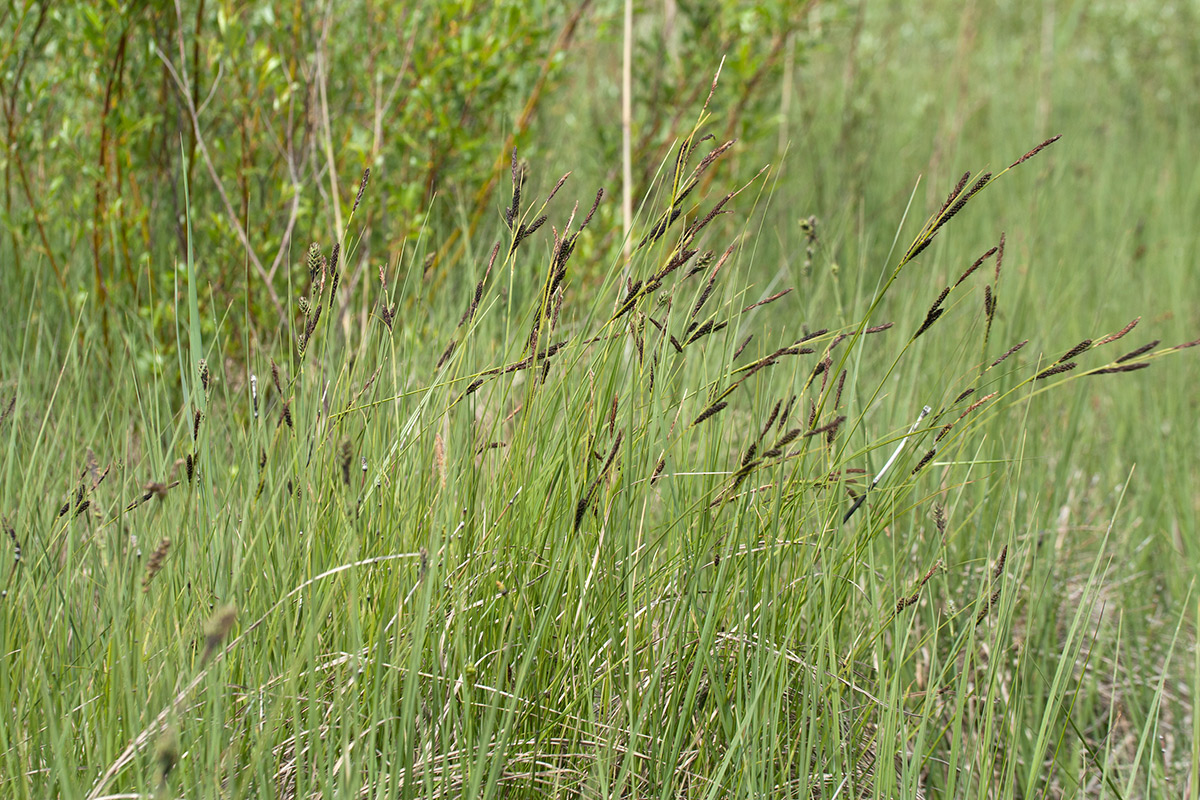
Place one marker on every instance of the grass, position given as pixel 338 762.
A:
pixel 601 545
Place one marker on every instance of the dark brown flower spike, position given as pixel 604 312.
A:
pixel 1076 350
pixel 770 299
pixel 955 192
pixel 1112 337
pixel 155 564
pixel 1121 368
pixel 1132 354
pixel 978 262
pixel 925 459
pixel 1008 353
pixel 710 412
pixel 362 187
pixel 935 311
pixel 1057 369
pixel 1035 151
pixel 912 599
pixel 828 427
pixel 557 186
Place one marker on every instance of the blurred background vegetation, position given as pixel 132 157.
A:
pixel 271 112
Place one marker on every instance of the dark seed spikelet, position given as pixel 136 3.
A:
pixel 658 468
pixel 334 274
pixel 217 628
pixel 996 573
pixel 12 535
pixel 344 458
pixel 770 299
pixel 913 598
pixel 1057 369
pixel 475 384
pixel 557 186
pixel 678 259
pixel 196 426
pixel 975 406
pixel 581 508
pixel 314 261
pixel 510 214
pixel 469 314
pixel 704 330
pixel 1036 150
pixel 935 311
pixel 709 412
pixel 741 347
pixel 155 564
pixel 660 227
pixel 999 256
pixel 275 377
pixel 945 431
pixel 989 304
pixel 1008 353
pixel 1120 368
pixel 449 351
pixel 362 187
pixel 190 467
pixel 959 204
pixel 987 607
pixel 286 414
pixel 612 454
pixel 998 570
pixel 205 376
pixel 808 337
pixel 770 419
pixel 925 459
pixel 955 192
pixel 701 264
pixel 939 519
pixel 1132 354
pixel 978 262
pixel 965 394
pixel 787 438
pixel 828 427
pixel 1076 350
pixel 1112 337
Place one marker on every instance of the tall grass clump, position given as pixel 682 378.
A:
pixel 564 538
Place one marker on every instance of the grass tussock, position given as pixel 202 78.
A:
pixel 641 538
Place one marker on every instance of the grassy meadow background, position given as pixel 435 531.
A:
pixel 419 486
